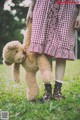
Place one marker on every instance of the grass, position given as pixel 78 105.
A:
pixel 14 99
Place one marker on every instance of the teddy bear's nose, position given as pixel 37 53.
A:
pixel 24 52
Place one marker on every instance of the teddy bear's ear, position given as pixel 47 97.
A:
pixel 12 45
pixel 6 63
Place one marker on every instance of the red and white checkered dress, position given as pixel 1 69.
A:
pixel 53 29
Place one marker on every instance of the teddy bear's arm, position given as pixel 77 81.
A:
pixel 16 72
pixel 27 36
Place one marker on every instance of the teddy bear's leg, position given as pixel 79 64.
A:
pixel 15 72
pixel 32 86
pixel 45 67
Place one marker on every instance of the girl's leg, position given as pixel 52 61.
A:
pixel 59 74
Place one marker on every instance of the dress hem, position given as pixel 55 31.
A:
pixel 54 51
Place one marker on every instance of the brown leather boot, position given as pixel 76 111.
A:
pixel 57 95
pixel 48 93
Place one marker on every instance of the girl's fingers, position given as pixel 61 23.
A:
pixel 77 24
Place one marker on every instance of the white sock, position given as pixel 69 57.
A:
pixel 60 81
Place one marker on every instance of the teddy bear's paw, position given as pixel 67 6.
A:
pixel 32 94
pixel 47 76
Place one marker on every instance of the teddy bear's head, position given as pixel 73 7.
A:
pixel 13 52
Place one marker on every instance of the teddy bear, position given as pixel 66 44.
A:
pixel 18 54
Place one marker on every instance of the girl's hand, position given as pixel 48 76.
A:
pixel 77 22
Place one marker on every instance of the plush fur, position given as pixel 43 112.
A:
pixel 14 53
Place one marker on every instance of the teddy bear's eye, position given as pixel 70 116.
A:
pixel 16 51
